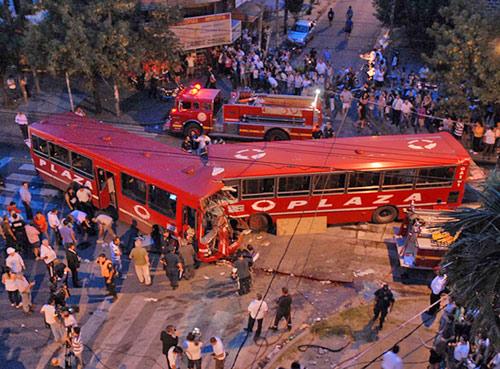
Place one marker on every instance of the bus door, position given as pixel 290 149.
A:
pixel 189 223
pixel 107 189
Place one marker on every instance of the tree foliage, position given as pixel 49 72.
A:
pixel 101 39
pixel 294 6
pixel 473 261
pixel 415 16
pixel 466 59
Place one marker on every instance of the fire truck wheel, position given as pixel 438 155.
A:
pixel 276 135
pixel 258 222
pixel 385 214
pixel 192 127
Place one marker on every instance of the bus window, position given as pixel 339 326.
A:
pixel 59 154
pixel 363 181
pixel 162 201
pixel 435 177
pixel 40 146
pixel 134 188
pixel 82 165
pixel 189 217
pixel 296 185
pixel 402 178
pixel 261 187
pixel 329 183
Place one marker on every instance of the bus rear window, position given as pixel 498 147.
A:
pixel 435 177
pixel 134 188
pixel 260 187
pixel 162 201
pixel 40 146
pixel 59 154
pixel 364 181
pixel 82 165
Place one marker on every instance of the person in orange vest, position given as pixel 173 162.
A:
pixel 108 272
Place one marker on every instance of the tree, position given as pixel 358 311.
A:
pixel 294 7
pixel 464 60
pixel 473 261
pixel 415 16
pixel 102 40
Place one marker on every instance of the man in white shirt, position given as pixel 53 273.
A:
pixel 49 311
pixel 190 60
pixel 22 122
pixel 321 67
pixel 219 353
pixel 397 104
pixel 54 223
pixel 256 312
pixel 461 351
pixel 105 224
pixel 346 98
pixel 174 357
pixel 14 261
pixel 48 255
pixel 25 195
pixel 391 360
pixel 437 286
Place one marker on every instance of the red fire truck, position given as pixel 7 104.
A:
pixel 247 115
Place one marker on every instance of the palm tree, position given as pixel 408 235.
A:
pixel 473 261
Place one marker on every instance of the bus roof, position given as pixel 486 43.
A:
pixel 342 154
pixel 150 160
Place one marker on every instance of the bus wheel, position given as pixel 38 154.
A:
pixel 192 127
pixel 276 135
pixel 258 222
pixel 385 214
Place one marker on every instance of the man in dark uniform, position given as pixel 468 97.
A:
pixel 284 310
pixel 169 338
pixel 384 301
pixel 73 261
pixel 173 267
pixel 243 271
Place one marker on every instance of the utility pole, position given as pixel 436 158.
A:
pixel 276 25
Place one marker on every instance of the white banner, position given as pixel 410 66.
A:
pixel 205 31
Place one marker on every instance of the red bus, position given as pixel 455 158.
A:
pixel 134 177
pixel 355 179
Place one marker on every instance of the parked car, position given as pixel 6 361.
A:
pixel 301 32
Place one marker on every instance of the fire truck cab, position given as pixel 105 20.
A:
pixel 247 115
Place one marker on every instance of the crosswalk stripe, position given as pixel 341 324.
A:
pixel 5 161
pixel 40 191
pixel 27 167
pixel 150 332
pixel 23 178
pixel 112 337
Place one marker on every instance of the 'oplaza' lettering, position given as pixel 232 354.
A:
pixel 354 201
pixel 295 203
pixel 323 203
pixel 383 199
pixel 263 205
pixel 413 197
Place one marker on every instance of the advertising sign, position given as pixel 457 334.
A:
pixel 205 31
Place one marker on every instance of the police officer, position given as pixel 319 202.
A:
pixel 173 267
pixel 243 272
pixel 331 15
pixel 108 273
pixel 284 310
pixel 384 301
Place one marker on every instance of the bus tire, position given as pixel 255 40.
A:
pixel 276 135
pixel 192 127
pixel 259 222
pixel 385 214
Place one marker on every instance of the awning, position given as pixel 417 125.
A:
pixel 248 12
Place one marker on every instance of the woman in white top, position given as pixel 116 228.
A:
pixel 9 280
pixel 24 287
pixel 192 349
